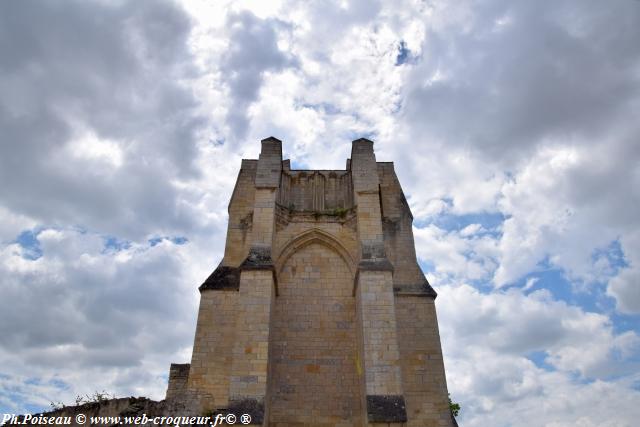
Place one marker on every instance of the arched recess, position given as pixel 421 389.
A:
pixel 313 353
pixel 314 236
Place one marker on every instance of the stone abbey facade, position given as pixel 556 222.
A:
pixel 318 314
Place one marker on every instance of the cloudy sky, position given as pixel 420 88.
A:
pixel 513 126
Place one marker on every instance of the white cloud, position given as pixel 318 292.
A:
pixel 12 223
pixel 515 323
pixel 530 283
pixel 552 214
pixel 456 255
pixel 488 337
pixel 502 110
pixel 96 319
pixel 89 147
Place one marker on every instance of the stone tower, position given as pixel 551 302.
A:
pixel 318 314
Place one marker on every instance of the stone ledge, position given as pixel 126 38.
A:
pixel 386 409
pixel 370 265
pixel 223 278
pixel 375 265
pixel 419 290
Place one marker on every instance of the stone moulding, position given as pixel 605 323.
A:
pixel 314 236
pixel 375 265
pixel 419 290
pixel 371 265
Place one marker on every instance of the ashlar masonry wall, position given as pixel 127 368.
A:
pixel 314 347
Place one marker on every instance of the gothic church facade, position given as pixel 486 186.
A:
pixel 318 314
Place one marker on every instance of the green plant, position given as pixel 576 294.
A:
pixel 454 406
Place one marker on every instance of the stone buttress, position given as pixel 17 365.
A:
pixel 318 313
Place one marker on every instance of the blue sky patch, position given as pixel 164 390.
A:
pixel 450 222
pixel 114 244
pixel 180 240
pixel 297 165
pixel 613 255
pixel 427 266
pixel 404 54
pixel 28 240
pixel 539 358
pixel 624 322
pixel 555 281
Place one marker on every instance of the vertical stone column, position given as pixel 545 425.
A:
pixel 248 383
pixel 214 341
pixel 382 381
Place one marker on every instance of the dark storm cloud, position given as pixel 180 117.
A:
pixel 110 69
pixel 253 50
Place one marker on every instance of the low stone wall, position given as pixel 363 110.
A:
pixel 134 407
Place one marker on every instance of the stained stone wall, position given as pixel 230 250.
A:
pixel 318 314
pixel 213 347
pixel 313 340
pixel 423 377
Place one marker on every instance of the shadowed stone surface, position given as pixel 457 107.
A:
pixel 222 278
pixel 252 407
pixel 386 409
pixel 423 289
pixel 259 258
